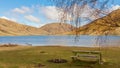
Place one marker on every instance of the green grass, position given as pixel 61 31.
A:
pixel 31 57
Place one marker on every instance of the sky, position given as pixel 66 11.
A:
pixel 35 13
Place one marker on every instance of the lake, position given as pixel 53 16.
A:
pixel 84 40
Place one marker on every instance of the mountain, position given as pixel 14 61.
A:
pixel 109 25
pixel 10 28
pixel 57 28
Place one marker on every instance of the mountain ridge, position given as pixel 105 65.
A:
pixel 10 28
pixel 57 28
pixel 107 25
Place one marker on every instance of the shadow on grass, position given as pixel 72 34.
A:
pixel 84 64
pixel 88 64
pixel 58 61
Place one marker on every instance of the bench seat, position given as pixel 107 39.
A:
pixel 87 55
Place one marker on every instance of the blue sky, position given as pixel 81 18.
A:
pixel 33 12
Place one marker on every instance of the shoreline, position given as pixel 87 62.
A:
pixel 25 45
pixel 38 35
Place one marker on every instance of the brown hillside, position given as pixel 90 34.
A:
pixel 57 28
pixel 109 24
pixel 10 28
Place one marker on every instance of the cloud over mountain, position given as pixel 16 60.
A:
pixel 50 12
pixel 45 14
pixel 4 17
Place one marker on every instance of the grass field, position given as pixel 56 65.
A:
pixel 38 56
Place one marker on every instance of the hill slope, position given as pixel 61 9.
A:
pixel 57 28
pixel 109 24
pixel 10 28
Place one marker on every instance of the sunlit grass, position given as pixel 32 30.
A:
pixel 31 57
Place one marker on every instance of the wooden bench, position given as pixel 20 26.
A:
pixel 87 55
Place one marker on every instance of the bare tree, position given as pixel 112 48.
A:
pixel 72 11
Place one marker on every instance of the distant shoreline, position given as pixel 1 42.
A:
pixel 52 35
pixel 20 45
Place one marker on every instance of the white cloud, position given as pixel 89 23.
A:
pixel 54 13
pixel 88 12
pixel 114 7
pixel 32 18
pixel 50 12
pixel 4 17
pixel 22 10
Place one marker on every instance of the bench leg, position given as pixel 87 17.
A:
pixel 74 58
pixel 100 59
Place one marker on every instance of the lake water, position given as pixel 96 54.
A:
pixel 83 40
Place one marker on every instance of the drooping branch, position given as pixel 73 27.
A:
pixel 73 11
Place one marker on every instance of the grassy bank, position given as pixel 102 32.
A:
pixel 37 57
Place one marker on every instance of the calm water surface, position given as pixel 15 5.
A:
pixel 61 40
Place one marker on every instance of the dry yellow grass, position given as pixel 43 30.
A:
pixel 14 48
